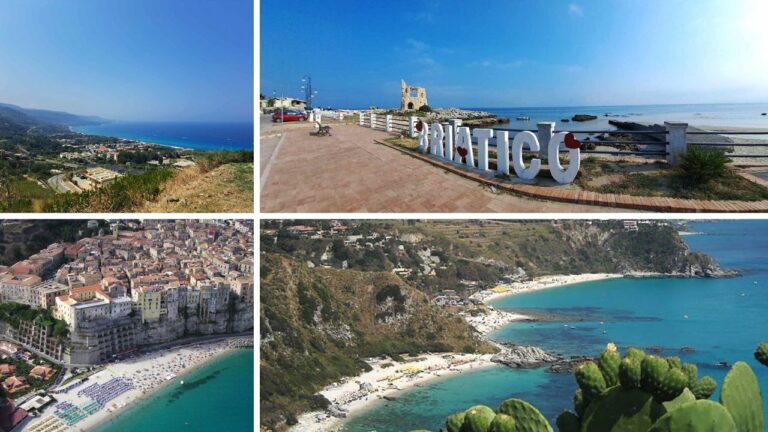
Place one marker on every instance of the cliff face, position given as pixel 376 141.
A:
pixel 234 319
pixel 318 324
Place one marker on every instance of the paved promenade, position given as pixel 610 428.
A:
pixel 347 172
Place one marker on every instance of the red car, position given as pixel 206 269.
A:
pixel 289 115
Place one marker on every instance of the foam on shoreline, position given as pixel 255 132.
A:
pixel 155 365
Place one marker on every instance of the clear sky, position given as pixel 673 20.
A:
pixel 161 60
pixel 518 53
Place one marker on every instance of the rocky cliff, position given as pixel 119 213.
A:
pixel 318 324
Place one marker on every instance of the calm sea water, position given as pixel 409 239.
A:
pixel 722 115
pixel 216 397
pixel 197 136
pixel 726 320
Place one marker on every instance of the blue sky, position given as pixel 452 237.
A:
pixel 518 53
pixel 158 60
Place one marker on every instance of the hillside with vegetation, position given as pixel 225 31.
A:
pixel 31 142
pixel 468 255
pixel 334 293
pixel 318 324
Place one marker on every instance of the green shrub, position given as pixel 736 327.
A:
pixel 210 161
pixel 701 165
pixel 425 108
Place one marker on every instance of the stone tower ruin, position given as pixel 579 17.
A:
pixel 412 98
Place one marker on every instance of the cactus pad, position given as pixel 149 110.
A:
pixel 697 416
pixel 692 372
pixel 740 395
pixel 477 419
pixel 453 422
pixel 609 366
pixel 635 353
pixel 590 380
pixel 629 373
pixel 761 353
pixel 684 397
pixel 568 422
pixel 653 371
pixel 620 410
pixel 674 362
pixel 579 404
pixel 704 388
pixel 527 417
pixel 502 423
pixel 671 386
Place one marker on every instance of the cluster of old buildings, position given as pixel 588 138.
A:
pixel 107 288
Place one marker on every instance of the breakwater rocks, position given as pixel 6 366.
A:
pixel 531 357
pixel 468 117
pixel 583 117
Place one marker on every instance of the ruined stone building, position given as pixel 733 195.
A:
pixel 412 98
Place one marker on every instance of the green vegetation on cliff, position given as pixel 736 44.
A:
pixel 317 326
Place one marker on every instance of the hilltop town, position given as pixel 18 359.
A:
pixel 73 306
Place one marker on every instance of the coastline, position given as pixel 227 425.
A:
pixel 545 282
pixel 350 398
pixel 105 420
pixel 182 144
pixel 162 362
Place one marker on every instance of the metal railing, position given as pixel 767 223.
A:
pixel 731 144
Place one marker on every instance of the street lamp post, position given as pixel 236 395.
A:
pixel 307 87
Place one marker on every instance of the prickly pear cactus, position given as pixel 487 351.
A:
pixel 740 395
pixel 635 353
pixel 761 353
pixel 620 410
pixel 568 422
pixel 696 416
pixel 692 372
pixel 653 369
pixel 579 404
pixel 527 417
pixel 503 423
pixel 454 422
pixel 674 362
pixel 477 419
pixel 609 366
pixel 684 397
pixel 671 386
pixel 704 388
pixel 590 380
pixel 629 373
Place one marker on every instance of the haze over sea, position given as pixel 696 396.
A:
pixel 726 321
pixel 188 135
pixel 719 115
pixel 217 396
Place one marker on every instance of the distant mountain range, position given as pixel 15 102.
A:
pixel 36 117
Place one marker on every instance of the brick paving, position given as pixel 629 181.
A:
pixel 355 171
pixel 349 173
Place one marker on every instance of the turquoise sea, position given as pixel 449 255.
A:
pixel 722 115
pixel 216 397
pixel 188 135
pixel 727 318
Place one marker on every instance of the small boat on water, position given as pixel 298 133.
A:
pixel 523 118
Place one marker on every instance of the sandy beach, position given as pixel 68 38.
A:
pixel 138 378
pixel 543 282
pixel 387 378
